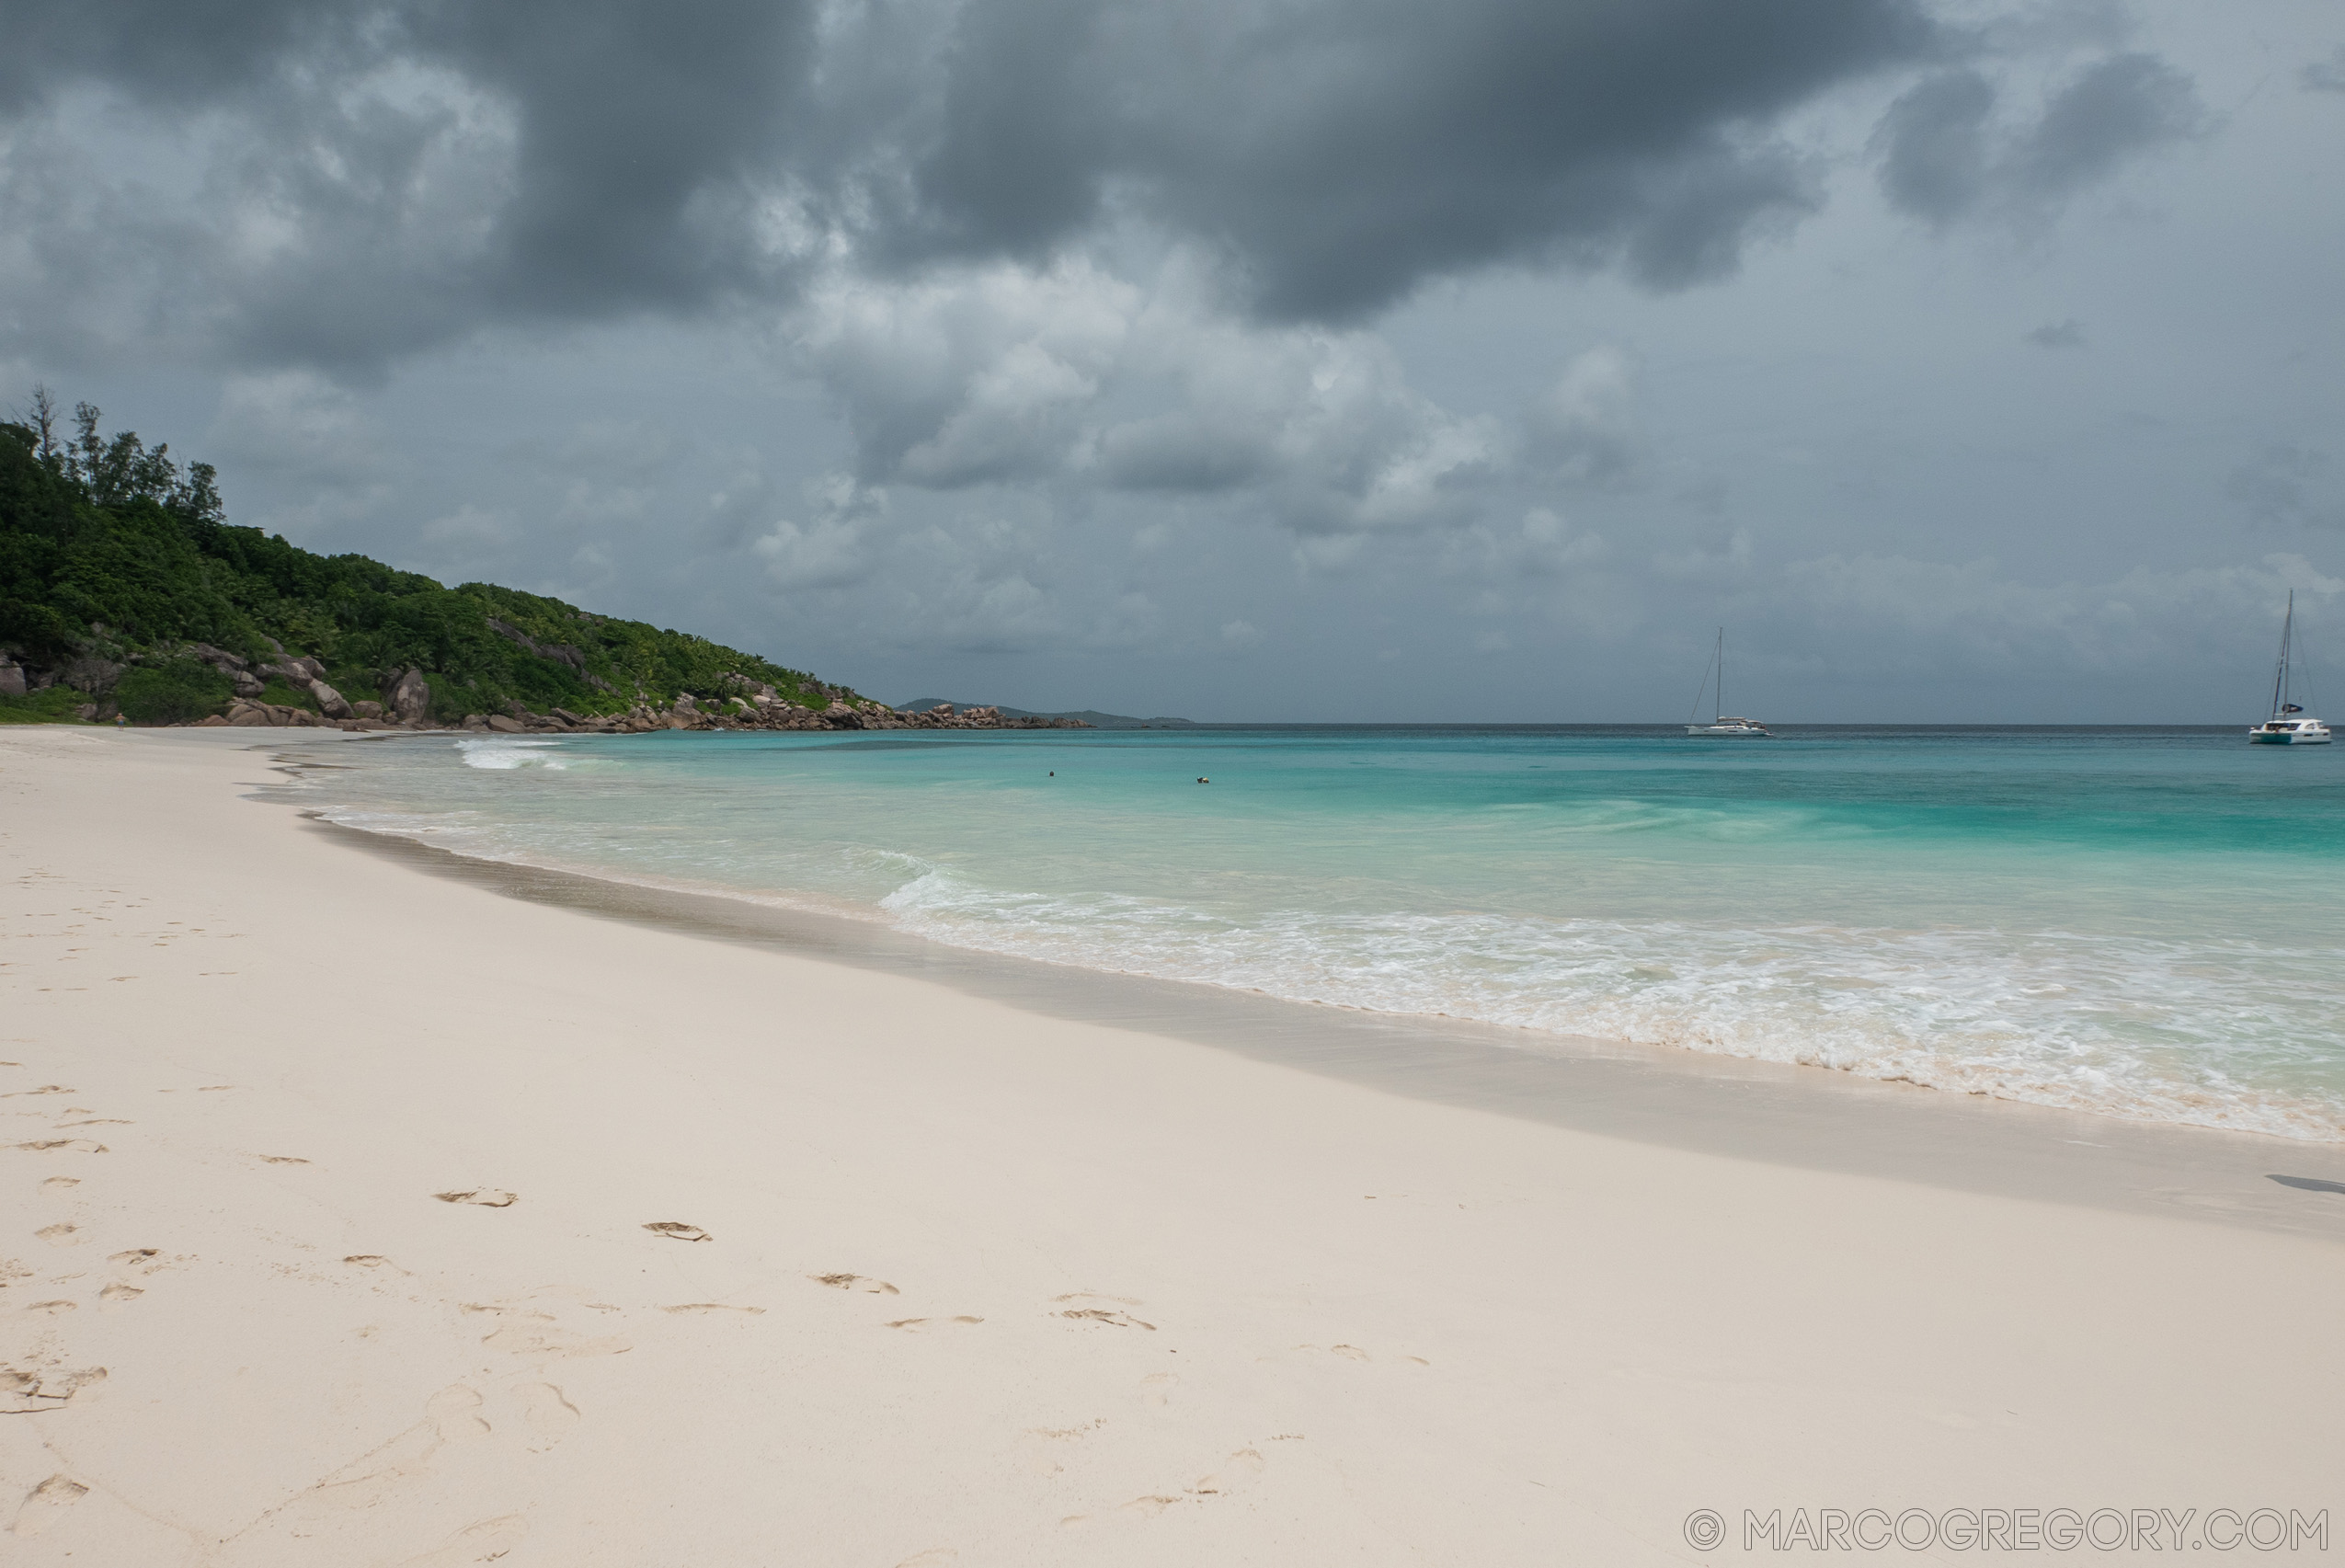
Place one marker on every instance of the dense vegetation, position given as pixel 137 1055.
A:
pixel 112 559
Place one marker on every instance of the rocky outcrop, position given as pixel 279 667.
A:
pixel 946 716
pixel 92 674
pixel 406 695
pixel 411 699
pixel 12 676
pixel 247 714
pixel 330 701
pixel 768 712
pixel 236 666
pixel 294 672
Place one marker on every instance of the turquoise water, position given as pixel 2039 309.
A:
pixel 2147 922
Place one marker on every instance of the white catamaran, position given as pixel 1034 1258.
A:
pixel 2289 724
pixel 1723 723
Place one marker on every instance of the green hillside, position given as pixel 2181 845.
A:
pixel 113 559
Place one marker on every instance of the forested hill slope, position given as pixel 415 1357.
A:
pixel 122 586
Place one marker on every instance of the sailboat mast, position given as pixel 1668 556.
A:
pixel 2280 675
pixel 1721 671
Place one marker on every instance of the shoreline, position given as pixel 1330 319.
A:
pixel 2074 1001
pixel 1798 1114
pixel 356 1216
pixel 1801 1114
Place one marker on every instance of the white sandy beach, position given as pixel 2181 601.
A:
pixel 971 1285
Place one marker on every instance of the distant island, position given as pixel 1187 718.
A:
pixel 1090 719
pixel 126 596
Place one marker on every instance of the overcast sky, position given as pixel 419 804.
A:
pixel 1344 360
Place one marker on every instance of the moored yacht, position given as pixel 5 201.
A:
pixel 2289 724
pixel 1723 724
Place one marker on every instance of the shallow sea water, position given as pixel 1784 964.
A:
pixel 2142 921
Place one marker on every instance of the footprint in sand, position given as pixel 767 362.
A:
pixel 1099 1315
pixel 1039 1454
pixel 548 1415
pixel 120 1293
pixel 51 1145
pixel 1347 1352
pixel 455 1415
pixel 51 1308
pixel 486 1197
pixel 913 1325
pixel 373 1260
pixel 677 1230
pixel 855 1282
pixel 58 1183
pixel 713 1307
pixel 1102 1314
pixel 537 1335
pixel 22 1392
pixel 1156 1388
pixel 484 1542
pixel 44 1503
pixel 1236 1473
pixel 61 1235
pixel 450 1416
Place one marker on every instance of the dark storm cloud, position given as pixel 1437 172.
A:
pixel 405 172
pixel 170 54
pixel 415 170
pixel 339 185
pixel 1934 144
pixel 1339 154
pixel 641 129
pixel 1016 162
pixel 1944 157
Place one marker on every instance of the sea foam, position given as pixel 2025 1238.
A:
pixel 2144 925
pixel 505 751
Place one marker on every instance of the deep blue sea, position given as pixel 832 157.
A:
pixel 2149 923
